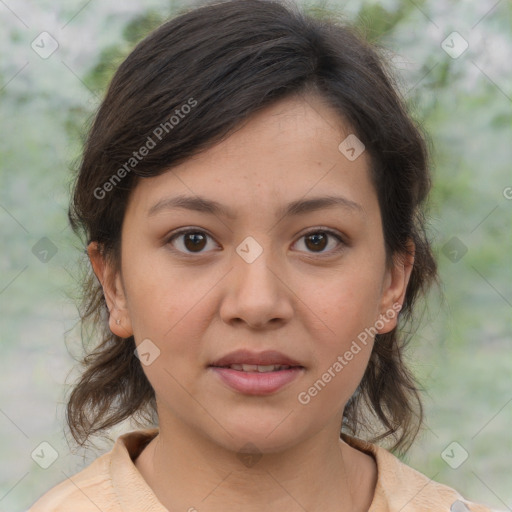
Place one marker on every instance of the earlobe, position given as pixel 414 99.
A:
pixel 113 291
pixel 397 280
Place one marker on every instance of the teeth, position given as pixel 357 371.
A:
pixel 268 368
pixel 258 367
pixel 250 367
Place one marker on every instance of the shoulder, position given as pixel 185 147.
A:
pixel 402 488
pixel 111 483
pixel 80 492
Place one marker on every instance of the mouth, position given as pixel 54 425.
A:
pixel 251 373
pixel 257 368
pixel 248 361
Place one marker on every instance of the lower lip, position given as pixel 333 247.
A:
pixel 256 383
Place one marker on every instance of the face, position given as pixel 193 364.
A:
pixel 310 283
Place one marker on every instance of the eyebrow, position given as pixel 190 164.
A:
pixel 298 207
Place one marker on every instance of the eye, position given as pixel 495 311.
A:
pixel 316 241
pixel 195 240
pixel 191 240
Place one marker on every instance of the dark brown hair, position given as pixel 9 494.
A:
pixel 229 60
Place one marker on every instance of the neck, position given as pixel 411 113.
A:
pixel 188 471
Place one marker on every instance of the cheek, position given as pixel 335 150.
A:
pixel 347 301
pixel 168 303
pixel 344 316
pixel 170 308
pixel 342 350
pixel 349 340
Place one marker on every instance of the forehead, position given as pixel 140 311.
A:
pixel 285 152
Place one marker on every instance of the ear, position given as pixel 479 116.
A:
pixel 394 288
pixel 113 290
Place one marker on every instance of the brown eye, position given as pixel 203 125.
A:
pixel 194 241
pixel 318 241
pixel 190 241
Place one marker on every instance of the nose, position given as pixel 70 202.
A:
pixel 257 294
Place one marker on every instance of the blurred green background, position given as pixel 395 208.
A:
pixel 462 351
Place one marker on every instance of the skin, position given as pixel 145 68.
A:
pixel 305 302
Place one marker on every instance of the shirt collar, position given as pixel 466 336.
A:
pixel 398 486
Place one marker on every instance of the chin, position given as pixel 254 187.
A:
pixel 262 434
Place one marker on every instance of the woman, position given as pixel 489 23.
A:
pixel 251 192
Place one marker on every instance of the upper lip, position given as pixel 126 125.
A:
pixel 268 357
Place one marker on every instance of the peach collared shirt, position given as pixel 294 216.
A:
pixel 112 483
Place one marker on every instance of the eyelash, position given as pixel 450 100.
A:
pixel 326 231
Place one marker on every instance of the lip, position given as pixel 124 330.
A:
pixel 266 357
pixel 256 383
